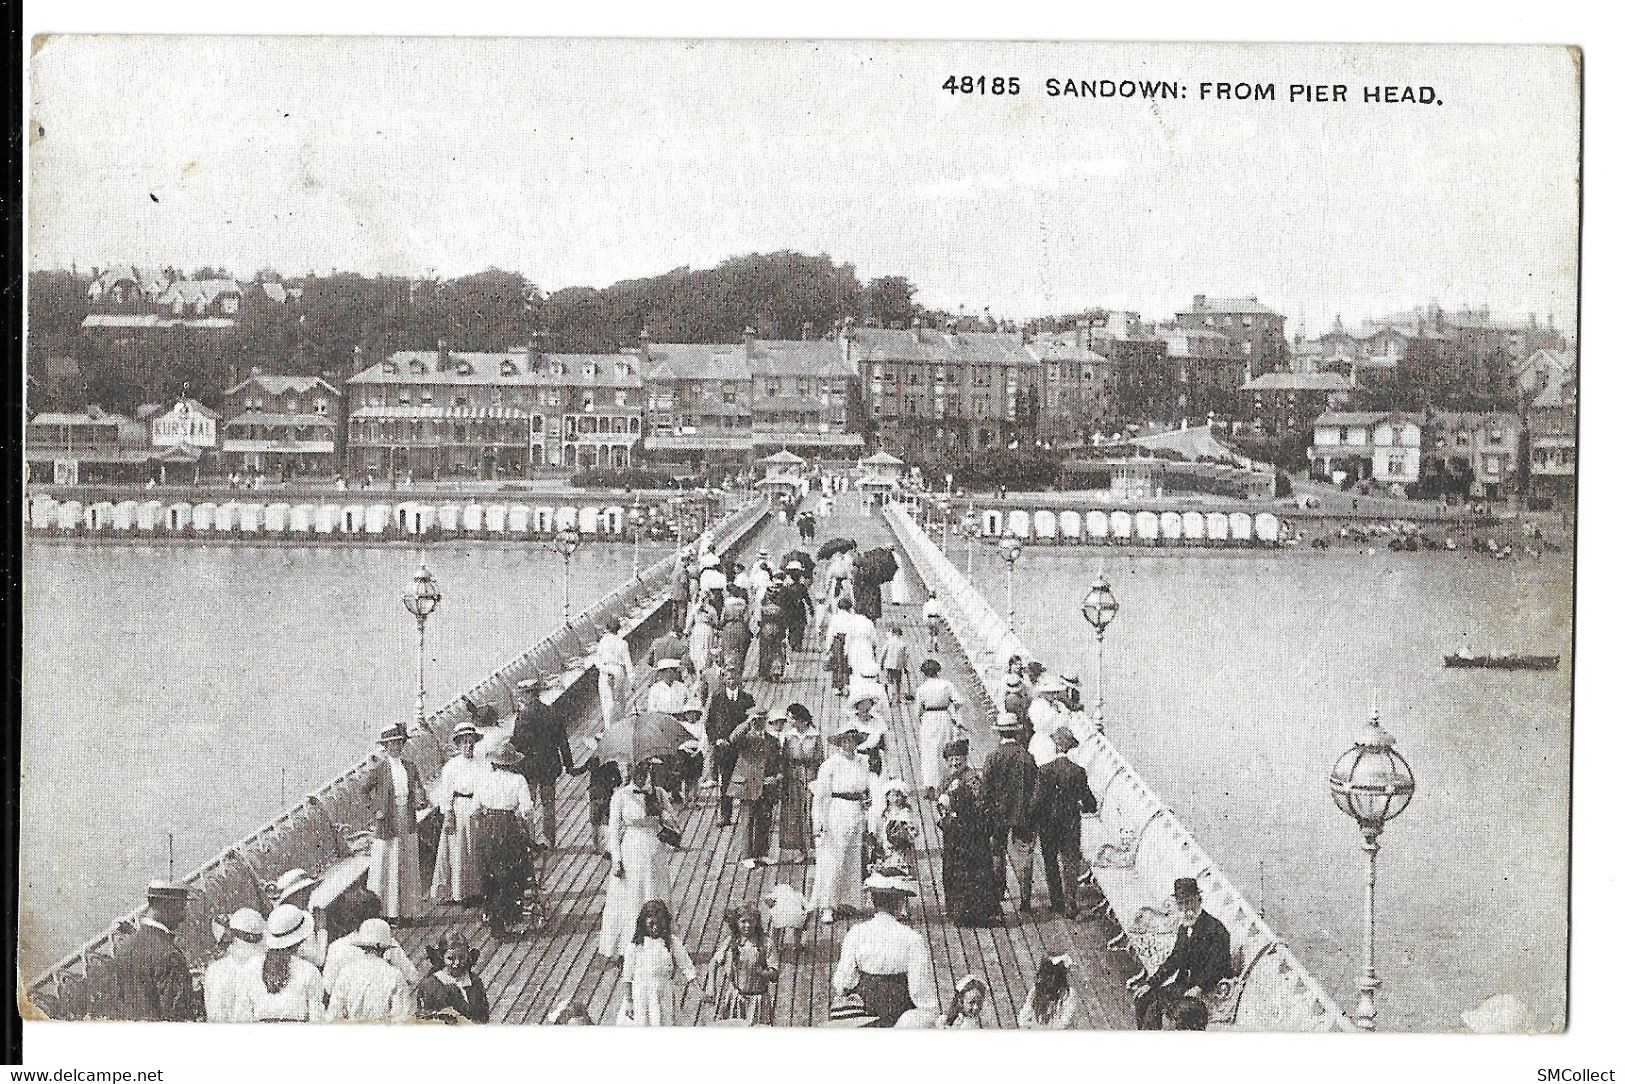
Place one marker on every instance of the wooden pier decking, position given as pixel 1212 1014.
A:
pixel 556 959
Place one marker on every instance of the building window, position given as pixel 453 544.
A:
pixel 1396 466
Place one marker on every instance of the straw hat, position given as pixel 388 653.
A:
pixel 848 729
pixel 1008 723
pixel 667 664
pixel 293 881
pixel 374 933
pixel 288 926
pixel 882 884
pixel 247 924
pixel 865 689
pixel 465 729
pixel 1049 684
pixel 505 755
pixel 396 732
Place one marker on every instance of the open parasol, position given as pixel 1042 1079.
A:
pixel 636 738
pixel 835 545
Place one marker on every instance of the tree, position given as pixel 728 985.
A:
pixel 888 301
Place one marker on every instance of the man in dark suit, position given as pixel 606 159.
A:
pixel 153 979
pixel 1059 802
pixel 729 709
pixel 1009 780
pixel 540 736
pixel 1199 962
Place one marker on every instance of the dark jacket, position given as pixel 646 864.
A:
pixel 154 981
pixel 1201 957
pixel 382 799
pixel 734 636
pixel 1008 781
pixel 666 646
pixel 539 735
pixel 757 757
pixel 1061 798
pixel 724 715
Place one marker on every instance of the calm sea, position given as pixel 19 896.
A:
pixel 1233 683
pixel 197 690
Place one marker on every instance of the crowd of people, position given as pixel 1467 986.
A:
pixel 830 791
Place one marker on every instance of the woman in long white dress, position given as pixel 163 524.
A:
pixel 640 870
pixel 939 702
pixel 839 795
pixel 456 867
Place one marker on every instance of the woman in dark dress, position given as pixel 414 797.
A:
pixel 970 883
pixel 452 992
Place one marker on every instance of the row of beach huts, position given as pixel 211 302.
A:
pixel 1143 527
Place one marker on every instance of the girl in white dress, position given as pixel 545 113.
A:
pixel 655 956
pixel 939 702
pixel 639 870
pixel 839 795
pixel 456 868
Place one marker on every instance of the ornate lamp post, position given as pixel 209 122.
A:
pixel 635 522
pixel 1099 607
pixel 420 602
pixel 567 542
pixel 1010 550
pixel 1373 784
pixel 942 507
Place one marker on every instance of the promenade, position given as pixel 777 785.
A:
pixel 556 959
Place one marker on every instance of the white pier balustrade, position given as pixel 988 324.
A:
pixel 1195 526
pixel 70 516
pixel 178 516
pixel 250 515
pixel 227 516
pixel 1241 527
pixel 302 518
pixel 124 516
pixel 1218 527
pixel 1071 526
pixel 43 512
pixel 277 516
pixel 148 514
pixel 378 516
pixel 992 523
pixel 449 517
pixel 1044 525
pixel 1122 526
pixel 327 518
pixel 1145 526
pixel 1099 525
pixel 352 518
pixel 1267 527
pixel 1171 527
pixel 99 516
pixel 587 520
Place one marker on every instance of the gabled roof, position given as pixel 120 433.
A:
pixel 1366 417
pixel 486 369
pixel 784 457
pixel 1559 392
pixel 881 458
pixel 696 361
pixel 275 384
pixel 191 404
pixel 1227 305
pixel 1297 382
pixel 1553 359
pixel 928 344
pixel 799 358
pixel 205 290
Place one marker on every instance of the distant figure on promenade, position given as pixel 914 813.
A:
pixel 539 735
pixel 939 703
pixel 242 946
pixel 730 707
pixel 1009 782
pixel 807 526
pixel 394 797
pixel 457 868
pixel 451 992
pixel 1052 1004
pixel 802 755
pixel 1061 799
pixel 931 614
pixel 894 661
pixel 1044 714
pixel 971 887
pixel 1200 960
pixel 614 661
pixel 153 978
pixel 506 831
pixel 370 987
pixel 835 633
pixel 770 631
pixel 287 988
pixel 640 869
pixel 702 638
pixel 840 792
pixel 797 604
pixel 604 778
pixel 884 961
pixel 677 592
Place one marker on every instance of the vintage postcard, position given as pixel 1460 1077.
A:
pixel 840 534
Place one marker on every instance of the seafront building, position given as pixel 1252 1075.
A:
pixel 281 426
pixel 1383 448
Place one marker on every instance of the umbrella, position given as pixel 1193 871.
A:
pixel 800 556
pixel 835 545
pixel 638 737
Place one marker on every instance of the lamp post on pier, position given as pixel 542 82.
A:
pixel 566 544
pixel 634 520
pixel 1099 607
pixel 1010 550
pixel 420 602
pixel 1373 784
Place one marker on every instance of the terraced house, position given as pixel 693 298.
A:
pixel 281 426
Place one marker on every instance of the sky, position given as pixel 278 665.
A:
pixel 584 162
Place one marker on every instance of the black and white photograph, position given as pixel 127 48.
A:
pixel 841 534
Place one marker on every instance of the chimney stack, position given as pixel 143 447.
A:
pixel 357 359
pixel 443 359
pixel 918 328
pixel 806 330
pixel 750 341
pixel 1077 332
pixel 1199 301
pixel 643 344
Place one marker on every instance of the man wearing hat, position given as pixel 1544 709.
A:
pixel 668 645
pixel 1010 778
pixel 370 987
pixel 755 782
pixel 668 694
pixel 539 737
pixel 884 961
pixel 240 938
pixel 1060 799
pixel 394 797
pixel 1200 959
pixel 154 981
pixel 1017 696
pixel 729 708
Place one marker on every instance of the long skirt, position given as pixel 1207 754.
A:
pixel 395 875
pixel 971 884
pixel 840 670
pixel 457 867
pixel 838 877
pixel 506 856
pixel 936 731
pixel 795 819
pixel 885 997
pixel 749 1009
pixel 648 877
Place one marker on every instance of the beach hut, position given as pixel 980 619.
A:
pixel 276 518
pixel 42 512
pixel 203 516
pixel 992 523
pixel 587 520
pixel 518 519
pixel 178 516
pixel 1145 526
pixel 1267 527
pixel 1241 527
pixel 1071 526
pixel 377 519
pixel 473 517
pixel 542 519
pixel 227 516
pixel 249 515
pixel 1122 526
pixel 1194 527
pixel 326 520
pixel 1044 524
pixel 147 515
pixel 99 516
pixel 1098 525
pixel 1018 524
pixel 1171 527
pixel 1218 527
pixel 564 519
pixel 351 519
pixel 302 518
pixel 70 515
pixel 614 521
pixel 496 518
pixel 124 516
pixel 449 517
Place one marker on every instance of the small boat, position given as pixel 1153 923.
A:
pixel 1462 659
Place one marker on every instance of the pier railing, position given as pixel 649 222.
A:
pixel 322 833
pixel 1136 846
